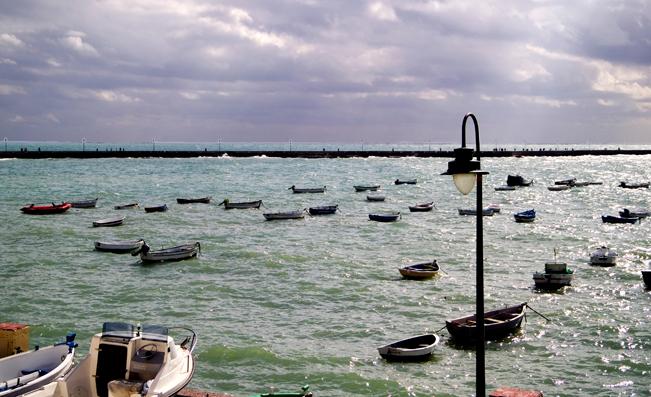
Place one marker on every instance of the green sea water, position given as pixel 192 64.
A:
pixel 286 303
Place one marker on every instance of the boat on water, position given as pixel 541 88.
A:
pixel 119 246
pixel 114 221
pixel 126 360
pixel 504 188
pixel 390 216
pixel 494 207
pixel 375 198
pixel 565 182
pixel 295 189
pixel 45 209
pixel 421 270
pixel 582 184
pixel 603 256
pixel 157 208
pixel 126 206
pixel 423 207
pixel 24 372
pixel 272 216
pixel 305 392
pixel 558 188
pixel 556 276
pixel 472 211
pixel 202 200
pixel 525 216
pixel 517 180
pixel 618 219
pixel 634 213
pixel 92 203
pixel 637 185
pixel 323 209
pixel 497 324
pixel 228 205
pixel 405 181
pixel 177 253
pixel 364 188
pixel 415 348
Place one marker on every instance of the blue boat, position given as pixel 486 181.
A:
pixel 525 216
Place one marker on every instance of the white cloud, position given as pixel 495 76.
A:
pixel 193 96
pixel 52 118
pixel 53 62
pixel 6 89
pixel 112 96
pixel 382 12
pixel 9 40
pixel 75 41
pixel 17 119
pixel 7 61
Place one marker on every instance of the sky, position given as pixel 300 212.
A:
pixel 544 71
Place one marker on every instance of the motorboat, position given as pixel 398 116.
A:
pixel 202 200
pixel 618 219
pixel 421 270
pixel 273 216
pixel 424 207
pixel 556 276
pixel 24 372
pixel 84 203
pixel 415 348
pixel 295 189
pixel 390 216
pixel 177 253
pixel 228 205
pixel 115 221
pixel 119 247
pixel 126 360
pixel 525 216
pixel 45 209
pixel 323 209
pixel 603 256
pixel 634 213
pixel 517 180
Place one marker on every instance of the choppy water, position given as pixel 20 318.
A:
pixel 287 303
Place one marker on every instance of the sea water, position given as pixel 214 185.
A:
pixel 286 303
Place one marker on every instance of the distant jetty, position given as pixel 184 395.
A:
pixel 315 154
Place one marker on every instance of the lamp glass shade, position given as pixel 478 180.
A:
pixel 464 182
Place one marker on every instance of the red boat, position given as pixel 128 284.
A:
pixel 46 209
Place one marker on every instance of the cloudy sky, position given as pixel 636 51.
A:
pixel 544 71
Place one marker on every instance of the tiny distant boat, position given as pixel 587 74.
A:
pixel 635 213
pixel 525 216
pixel 272 216
pixel 126 206
pixel 558 188
pixel 202 200
pixel 323 210
pixel 119 247
pixel 24 372
pixel 618 219
pixel 634 185
pixel 241 205
pixel 424 207
pixel 581 184
pixel 595 183
pixel 305 392
pixel 115 221
pixel 603 256
pixel 418 271
pixel 566 182
pixel 415 348
pixel 405 181
pixel 295 189
pixel 494 207
pixel 504 188
pixel 364 188
pixel 391 216
pixel 375 198
pixel 517 180
pixel 497 324
pixel 46 209
pixel 471 211
pixel 556 276
pixel 84 203
pixel 177 253
pixel 156 208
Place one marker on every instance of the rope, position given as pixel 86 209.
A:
pixel 533 310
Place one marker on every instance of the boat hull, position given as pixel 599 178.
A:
pixel 126 206
pixel 372 188
pixel 425 207
pixel 417 348
pixel 119 247
pixel 158 208
pixel 172 254
pixel 323 210
pixel 420 271
pixel 308 190
pixel 202 200
pixel 497 324
pixel 552 281
pixel 242 205
pixel 375 198
pixel 384 217
pixel 84 203
pixel 274 216
pixel 46 209
pixel 109 222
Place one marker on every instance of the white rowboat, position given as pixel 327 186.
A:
pixel 119 247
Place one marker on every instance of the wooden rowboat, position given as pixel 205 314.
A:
pixel 497 324
pixel 470 211
pixel 391 216
pixel 375 198
pixel 119 247
pixel 45 209
pixel 241 205
pixel 272 216
pixel 634 185
pixel 364 188
pixel 203 200
pixel 126 206
pixel 323 210
pixel 416 348
pixel 295 189
pixel 177 253
pixel 419 271
pixel 85 203
pixel 157 208
pixel 115 221
pixel 424 207
pixel 405 181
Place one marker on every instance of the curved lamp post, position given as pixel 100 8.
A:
pixel 465 171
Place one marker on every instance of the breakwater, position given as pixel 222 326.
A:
pixel 38 154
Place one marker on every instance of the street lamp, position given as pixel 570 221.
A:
pixel 465 171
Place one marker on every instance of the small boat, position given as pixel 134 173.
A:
pixel 115 221
pixel 420 270
pixel 126 206
pixel 603 256
pixel 635 213
pixel 558 188
pixel 627 185
pixel 566 182
pixel 424 207
pixel 504 188
pixel 517 180
pixel 203 200
pixel 618 219
pixel 323 210
pixel 416 348
pixel 295 189
pixel 646 277
pixel 581 184
pixel 241 205
pixel 556 275
pixel 525 216
pixel 27 371
pixel 156 208
pixel 375 198
pixel 272 216
pixel 119 247
pixel 305 392
pixel 497 324
pixel 364 188
pixel 471 211
pixel 390 216
pixel 84 203
pixel 45 209
pixel 405 181
pixel 494 207
pixel 178 253
pixel 127 360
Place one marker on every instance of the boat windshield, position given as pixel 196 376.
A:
pixel 154 332
pixel 117 329
pixel 125 330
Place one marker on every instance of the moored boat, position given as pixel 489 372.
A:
pixel 156 208
pixel 24 372
pixel 634 213
pixel 272 216
pixel 177 253
pixel 390 216
pixel 115 221
pixel 565 182
pixel 517 180
pixel 375 198
pixel 556 275
pixel 525 216
pixel 126 206
pixel 415 348
pixel 84 203
pixel 472 211
pixel 45 209
pixel 558 188
pixel 323 209
pixel 497 324
pixel 228 205
pixel 202 200
pixel 638 185
pixel 603 256
pixel 119 247
pixel 424 207
pixel 504 188
pixel 618 219
pixel 295 189
pixel 405 181
pixel 494 207
pixel 364 188
pixel 421 270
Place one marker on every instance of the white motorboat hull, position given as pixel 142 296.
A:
pixel 603 257
pixel 119 246
pixel 178 253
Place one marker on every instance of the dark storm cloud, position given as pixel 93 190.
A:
pixel 374 71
